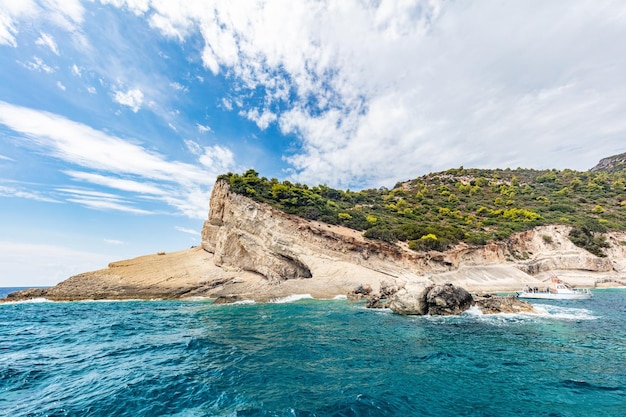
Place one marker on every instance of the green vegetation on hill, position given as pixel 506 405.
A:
pixel 475 206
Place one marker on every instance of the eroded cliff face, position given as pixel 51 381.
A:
pixel 253 251
pixel 252 236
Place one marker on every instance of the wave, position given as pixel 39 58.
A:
pixel 240 302
pixel 29 301
pixel 542 312
pixel 292 298
pixel 196 298
pixel 564 313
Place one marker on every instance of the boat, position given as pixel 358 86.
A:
pixel 557 290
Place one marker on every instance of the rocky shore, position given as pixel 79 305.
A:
pixel 252 251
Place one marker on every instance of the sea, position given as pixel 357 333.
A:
pixel 304 357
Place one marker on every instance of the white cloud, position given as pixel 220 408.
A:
pixel 61 86
pixel 179 87
pixel 6 158
pixel 227 104
pixel 107 205
pixel 193 147
pixel 65 14
pixel 7 30
pixel 47 41
pixel 27 194
pixel 203 128
pixel 134 186
pixel 115 242
pixel 217 157
pixel 100 201
pixel 118 164
pixel 262 119
pixel 131 98
pixel 138 7
pixel 37 64
pixel 92 90
pixel 377 91
pixel 189 231
pixel 76 71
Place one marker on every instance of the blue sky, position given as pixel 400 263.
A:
pixel 116 116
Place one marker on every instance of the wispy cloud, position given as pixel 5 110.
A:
pixel 6 158
pixel 115 242
pixel 115 163
pixel 27 194
pixel 188 231
pixel 107 205
pixel 101 201
pixel 7 30
pixel 134 186
pixel 203 128
pixel 37 64
pixel 47 41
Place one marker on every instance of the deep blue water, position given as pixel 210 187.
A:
pixel 310 358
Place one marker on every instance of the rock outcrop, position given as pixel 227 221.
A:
pixel 435 300
pixel 611 164
pixel 251 250
pixel 503 304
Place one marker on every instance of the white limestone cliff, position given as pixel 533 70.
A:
pixel 253 236
pixel 251 250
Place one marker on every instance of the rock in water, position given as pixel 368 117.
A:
pixel 411 300
pixel 447 300
pixel 503 304
pixel 444 299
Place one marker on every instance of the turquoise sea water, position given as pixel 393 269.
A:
pixel 310 358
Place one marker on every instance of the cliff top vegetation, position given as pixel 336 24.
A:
pixel 476 206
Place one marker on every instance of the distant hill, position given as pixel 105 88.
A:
pixel 615 163
pixel 475 206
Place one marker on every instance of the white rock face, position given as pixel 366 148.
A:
pixel 251 236
pixel 251 251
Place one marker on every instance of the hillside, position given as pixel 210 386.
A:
pixel 483 230
pixel 474 206
pixel 253 251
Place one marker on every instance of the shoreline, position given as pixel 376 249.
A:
pixel 289 298
pixel 193 273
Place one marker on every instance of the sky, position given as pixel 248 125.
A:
pixel 116 116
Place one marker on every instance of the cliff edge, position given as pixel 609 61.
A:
pixel 251 250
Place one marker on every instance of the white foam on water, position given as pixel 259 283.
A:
pixel 340 297
pixel 241 302
pixel 197 298
pixel 29 301
pixel 126 300
pixel 292 298
pixel 564 313
pixel 473 311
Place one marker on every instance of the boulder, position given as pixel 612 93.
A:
pixel 411 300
pixel 375 302
pixel 446 299
pixel 362 291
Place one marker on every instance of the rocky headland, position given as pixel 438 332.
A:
pixel 252 251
